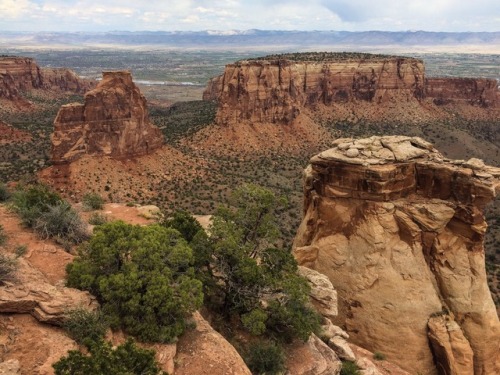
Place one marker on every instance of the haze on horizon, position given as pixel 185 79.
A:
pixel 226 15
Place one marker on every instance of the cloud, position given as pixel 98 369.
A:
pixel 355 15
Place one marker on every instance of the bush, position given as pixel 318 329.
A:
pixel 85 326
pixel 126 359
pixel 185 223
pixel 142 276
pixel 98 219
pixel 8 267
pixel 31 201
pixel 4 193
pixel 265 358
pixel 378 356
pixel 349 368
pixel 61 221
pixel 93 201
pixel 3 236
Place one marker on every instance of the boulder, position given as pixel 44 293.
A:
pixel 312 358
pixel 323 295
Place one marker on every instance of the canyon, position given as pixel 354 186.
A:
pixel 399 231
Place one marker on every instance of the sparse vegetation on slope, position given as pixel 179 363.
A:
pixel 326 56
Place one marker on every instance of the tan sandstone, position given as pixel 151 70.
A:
pixel 399 232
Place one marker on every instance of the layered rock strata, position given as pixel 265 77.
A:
pixel 20 75
pixel 277 89
pixel 399 229
pixel 113 122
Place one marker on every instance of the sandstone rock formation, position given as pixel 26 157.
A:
pixel 323 295
pixel 31 293
pixel 278 88
pixel 113 122
pixel 20 75
pixel 398 229
pixel 275 90
pixel 204 351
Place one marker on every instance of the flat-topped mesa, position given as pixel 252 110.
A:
pixel 113 121
pixel 20 75
pixel 275 89
pixel 399 231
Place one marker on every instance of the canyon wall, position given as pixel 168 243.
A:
pixel 276 90
pixel 399 231
pixel 475 91
pixel 113 121
pixel 20 75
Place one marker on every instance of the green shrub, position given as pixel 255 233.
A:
pixel 93 201
pixel 8 267
pixel 142 276
pixel 4 193
pixel 3 236
pixel 85 326
pixel 255 321
pixel 31 201
pixel 20 250
pixel 126 359
pixel 185 223
pixel 265 358
pixel 378 356
pixel 350 368
pixel 98 219
pixel 61 221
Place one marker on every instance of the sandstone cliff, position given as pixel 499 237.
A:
pixel 20 75
pixel 278 88
pixel 113 121
pixel 399 231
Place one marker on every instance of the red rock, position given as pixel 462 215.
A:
pixel 113 121
pixel 401 239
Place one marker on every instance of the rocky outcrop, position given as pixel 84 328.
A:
pixel 276 89
pixel 323 295
pixel 203 350
pixel 31 293
pixel 113 122
pixel 475 91
pixel 399 229
pixel 20 75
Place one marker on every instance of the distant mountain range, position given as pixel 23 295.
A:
pixel 250 39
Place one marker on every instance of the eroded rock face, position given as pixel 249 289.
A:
pixel 398 229
pixel 31 293
pixel 20 75
pixel 275 90
pixel 113 121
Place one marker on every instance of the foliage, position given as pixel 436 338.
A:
pixel 92 201
pixel 20 250
pixel 253 280
pixel 126 359
pixel 185 223
pixel 30 202
pixel 265 358
pixel 3 236
pixel 61 221
pixel 98 219
pixel 349 368
pixel 85 326
pixel 378 356
pixel 4 193
pixel 142 276
pixel 8 267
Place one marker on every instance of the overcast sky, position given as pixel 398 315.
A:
pixel 170 15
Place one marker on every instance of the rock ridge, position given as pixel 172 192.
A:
pixel 113 121
pixel 399 231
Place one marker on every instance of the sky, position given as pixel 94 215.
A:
pixel 224 15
